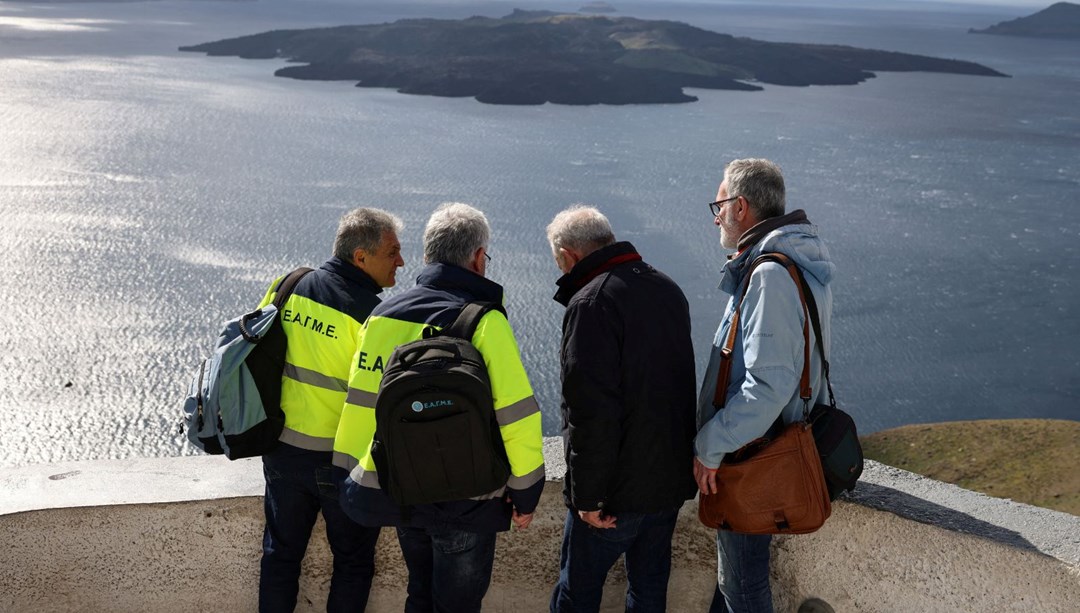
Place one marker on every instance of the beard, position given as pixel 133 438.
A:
pixel 729 232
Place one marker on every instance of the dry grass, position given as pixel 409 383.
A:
pixel 1029 460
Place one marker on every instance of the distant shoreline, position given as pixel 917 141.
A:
pixel 1059 21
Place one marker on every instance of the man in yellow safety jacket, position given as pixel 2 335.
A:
pixel 321 320
pixel 448 546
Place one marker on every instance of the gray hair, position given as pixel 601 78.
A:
pixel 760 182
pixel 581 228
pixel 363 229
pixel 453 234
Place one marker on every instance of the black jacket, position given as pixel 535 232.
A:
pixel 628 386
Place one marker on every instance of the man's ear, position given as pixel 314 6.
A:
pixel 358 257
pixel 569 258
pixel 742 207
pixel 478 263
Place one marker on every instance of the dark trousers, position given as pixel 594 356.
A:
pixel 449 570
pixel 588 554
pixel 299 484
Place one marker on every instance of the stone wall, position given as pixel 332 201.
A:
pixel 182 534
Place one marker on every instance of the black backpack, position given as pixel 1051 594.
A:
pixel 436 437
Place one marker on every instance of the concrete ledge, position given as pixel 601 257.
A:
pixel 154 480
pixel 174 534
pixel 955 509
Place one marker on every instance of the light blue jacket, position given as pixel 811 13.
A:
pixel 768 355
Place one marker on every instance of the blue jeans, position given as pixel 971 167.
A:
pixel 449 570
pixel 742 573
pixel 300 483
pixel 588 554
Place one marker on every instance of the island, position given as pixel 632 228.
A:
pixel 1061 20
pixel 597 7
pixel 533 57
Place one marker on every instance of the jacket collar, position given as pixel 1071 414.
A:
pixel 754 235
pixel 344 269
pixel 591 266
pixel 750 246
pixel 451 277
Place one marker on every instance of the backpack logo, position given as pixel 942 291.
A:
pixel 420 406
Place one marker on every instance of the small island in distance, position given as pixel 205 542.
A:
pixel 597 7
pixel 1061 20
pixel 533 57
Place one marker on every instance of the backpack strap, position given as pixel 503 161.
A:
pixel 287 285
pixel 465 325
pixel 282 292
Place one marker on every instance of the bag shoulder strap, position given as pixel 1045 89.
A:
pixel 287 285
pixel 282 292
pixel 723 377
pixel 815 320
pixel 464 325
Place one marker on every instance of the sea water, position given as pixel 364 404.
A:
pixel 146 195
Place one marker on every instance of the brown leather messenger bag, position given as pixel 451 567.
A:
pixel 774 484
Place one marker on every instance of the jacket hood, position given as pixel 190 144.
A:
pixel 798 241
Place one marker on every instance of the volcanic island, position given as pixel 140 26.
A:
pixel 533 57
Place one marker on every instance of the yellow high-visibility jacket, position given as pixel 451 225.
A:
pixel 322 320
pixel 441 291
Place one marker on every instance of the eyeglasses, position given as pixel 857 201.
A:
pixel 715 206
pixel 487 256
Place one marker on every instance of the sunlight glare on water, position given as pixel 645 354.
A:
pixel 147 195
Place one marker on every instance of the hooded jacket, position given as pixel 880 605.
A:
pixel 767 360
pixel 627 385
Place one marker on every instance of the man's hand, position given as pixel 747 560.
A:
pixel 597 519
pixel 705 477
pixel 522 520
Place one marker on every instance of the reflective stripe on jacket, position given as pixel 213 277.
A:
pixel 321 320
pixel 440 292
